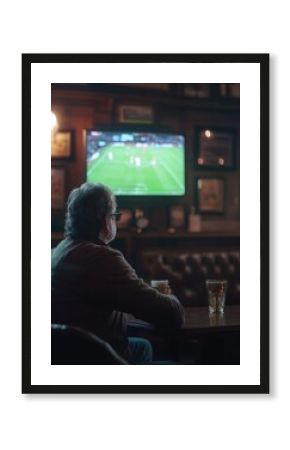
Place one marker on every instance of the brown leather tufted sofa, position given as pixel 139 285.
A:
pixel 188 271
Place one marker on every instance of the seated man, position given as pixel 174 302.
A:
pixel 93 286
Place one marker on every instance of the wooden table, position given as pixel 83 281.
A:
pixel 216 337
pixel 198 320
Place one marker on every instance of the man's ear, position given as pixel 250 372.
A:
pixel 104 225
pixel 105 229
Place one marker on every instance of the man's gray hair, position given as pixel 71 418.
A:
pixel 87 206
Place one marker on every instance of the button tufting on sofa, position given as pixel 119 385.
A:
pixel 187 273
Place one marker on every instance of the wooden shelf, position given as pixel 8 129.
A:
pixel 162 234
pixel 89 93
pixel 133 244
pixel 174 235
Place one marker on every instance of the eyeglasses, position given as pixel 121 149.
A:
pixel 117 215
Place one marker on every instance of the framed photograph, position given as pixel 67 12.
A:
pixel 251 374
pixel 214 149
pixel 62 144
pixel 199 90
pixel 57 187
pixel 177 217
pixel 135 114
pixel 229 90
pixel 211 195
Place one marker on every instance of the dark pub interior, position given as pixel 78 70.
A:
pixel 169 154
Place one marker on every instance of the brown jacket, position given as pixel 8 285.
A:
pixel 93 286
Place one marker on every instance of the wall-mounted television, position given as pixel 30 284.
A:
pixel 135 163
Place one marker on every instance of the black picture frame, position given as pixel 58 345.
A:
pixel 214 148
pixel 261 386
pixel 210 195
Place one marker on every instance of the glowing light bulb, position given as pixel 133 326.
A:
pixel 53 121
pixel 207 133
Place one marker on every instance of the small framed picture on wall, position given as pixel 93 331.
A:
pixel 210 195
pixel 62 144
pixel 201 90
pixel 214 149
pixel 177 217
pixel 135 114
pixel 57 187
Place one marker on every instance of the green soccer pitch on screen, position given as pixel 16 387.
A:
pixel 136 163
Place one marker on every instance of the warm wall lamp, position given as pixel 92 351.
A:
pixel 54 124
